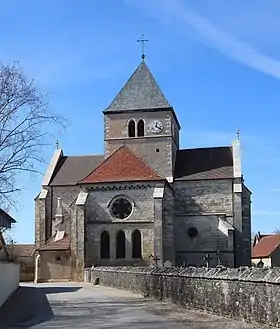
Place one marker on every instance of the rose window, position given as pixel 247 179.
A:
pixel 121 208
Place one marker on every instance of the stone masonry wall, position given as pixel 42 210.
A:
pixel 67 195
pixel 168 241
pixel 204 196
pixel 99 219
pixel 199 204
pixel 157 150
pixel 249 294
pixel 246 225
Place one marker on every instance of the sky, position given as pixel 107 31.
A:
pixel 217 62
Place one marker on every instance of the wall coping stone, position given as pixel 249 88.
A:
pixel 248 274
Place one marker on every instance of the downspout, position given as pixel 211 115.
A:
pixel 36 268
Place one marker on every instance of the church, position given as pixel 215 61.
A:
pixel 145 200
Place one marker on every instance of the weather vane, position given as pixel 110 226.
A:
pixel 143 46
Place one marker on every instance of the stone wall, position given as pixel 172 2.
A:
pixel 249 294
pixel 246 225
pixel 200 204
pixel 68 194
pixel 99 219
pixel 157 150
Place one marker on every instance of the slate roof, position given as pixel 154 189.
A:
pixel 204 163
pixel 191 164
pixel 141 92
pixel 122 165
pixel 71 169
pixel 266 246
pixel 52 245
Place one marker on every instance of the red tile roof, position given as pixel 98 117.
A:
pixel 52 245
pixel 122 165
pixel 266 246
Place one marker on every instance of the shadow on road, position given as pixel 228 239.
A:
pixel 59 289
pixel 26 307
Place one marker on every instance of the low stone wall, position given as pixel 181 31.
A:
pixel 9 280
pixel 250 294
pixel 26 273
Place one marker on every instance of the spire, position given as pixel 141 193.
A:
pixel 141 92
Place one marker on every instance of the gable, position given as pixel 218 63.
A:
pixel 122 165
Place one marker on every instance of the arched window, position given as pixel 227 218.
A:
pixel 140 128
pixel 120 245
pixel 131 128
pixel 105 245
pixel 136 244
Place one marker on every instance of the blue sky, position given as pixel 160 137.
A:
pixel 218 63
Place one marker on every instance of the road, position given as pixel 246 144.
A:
pixel 76 306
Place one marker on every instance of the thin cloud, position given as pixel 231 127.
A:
pixel 177 14
pixel 225 43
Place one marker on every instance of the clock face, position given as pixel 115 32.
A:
pixel 156 126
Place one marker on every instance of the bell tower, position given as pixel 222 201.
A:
pixel 141 118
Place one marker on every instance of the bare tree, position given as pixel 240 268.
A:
pixel 24 122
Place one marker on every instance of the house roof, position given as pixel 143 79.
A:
pixel 122 165
pixel 21 250
pixel 140 92
pixel 53 245
pixel 204 163
pixel 71 169
pixel 5 219
pixel 266 246
pixel 258 237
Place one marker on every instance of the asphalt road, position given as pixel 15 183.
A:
pixel 71 305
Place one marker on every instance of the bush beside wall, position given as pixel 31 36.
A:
pixel 250 294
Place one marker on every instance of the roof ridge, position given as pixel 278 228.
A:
pixel 85 155
pixel 206 147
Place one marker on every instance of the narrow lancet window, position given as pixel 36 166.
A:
pixel 105 245
pixel 140 128
pixel 131 128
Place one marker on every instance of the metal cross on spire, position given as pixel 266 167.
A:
pixel 238 134
pixel 142 40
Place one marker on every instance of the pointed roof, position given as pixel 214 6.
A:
pixel 266 246
pixel 122 166
pixel 63 243
pixel 141 92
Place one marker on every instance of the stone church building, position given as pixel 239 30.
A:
pixel 144 200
